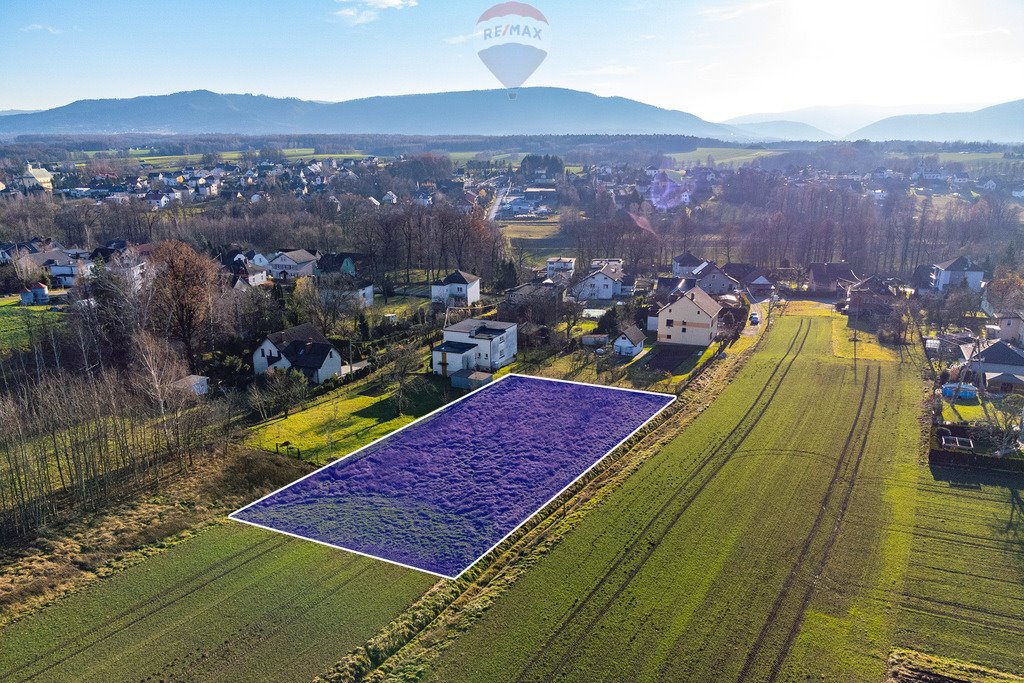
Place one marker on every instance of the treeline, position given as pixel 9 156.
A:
pixel 79 442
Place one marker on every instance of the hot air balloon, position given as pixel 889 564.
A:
pixel 512 39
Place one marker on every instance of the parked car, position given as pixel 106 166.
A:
pixel 755 319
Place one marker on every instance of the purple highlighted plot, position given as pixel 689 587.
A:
pixel 438 494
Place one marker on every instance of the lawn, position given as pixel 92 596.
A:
pixel 544 228
pixel 233 603
pixel 16 321
pixel 171 162
pixel 736 156
pixel 342 422
pixel 867 345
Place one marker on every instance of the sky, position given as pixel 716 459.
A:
pixel 716 59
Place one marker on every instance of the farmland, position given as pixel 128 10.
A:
pixel 789 531
pixel 736 156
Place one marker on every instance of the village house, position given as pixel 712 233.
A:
pixel 751 278
pixel 710 278
pixel 605 283
pixel 869 297
pixel 630 341
pixel 538 302
pixel 690 319
pixel 458 288
pixel 959 272
pixel 684 265
pixel 561 266
pixel 36 179
pixel 475 344
pixel 829 277
pixel 290 265
pixel 302 348
pixel 999 364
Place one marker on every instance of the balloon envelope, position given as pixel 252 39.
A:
pixel 512 41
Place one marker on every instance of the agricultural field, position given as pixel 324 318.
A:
pixel 736 156
pixel 780 537
pixel 16 321
pixel 539 229
pixel 233 603
pixel 169 162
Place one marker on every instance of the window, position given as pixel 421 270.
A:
pixel 263 353
pixel 668 336
pixel 670 322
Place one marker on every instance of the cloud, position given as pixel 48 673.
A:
pixel 980 33
pixel 366 11
pixel 730 12
pixel 41 27
pixel 606 70
pixel 464 38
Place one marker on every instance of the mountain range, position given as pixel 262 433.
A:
pixel 534 111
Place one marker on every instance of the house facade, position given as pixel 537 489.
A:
pixel 690 319
pixel 630 342
pixel 459 288
pixel 561 266
pixel 684 265
pixel 830 277
pixel 603 284
pixel 302 348
pixel 291 265
pixel 475 344
pixel 958 272
pixel 712 279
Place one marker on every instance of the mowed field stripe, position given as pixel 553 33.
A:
pixel 830 543
pixel 138 617
pixel 653 544
pixel 787 585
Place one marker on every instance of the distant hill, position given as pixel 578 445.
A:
pixel 783 130
pixel 1000 123
pixel 8 112
pixel 535 111
pixel 842 119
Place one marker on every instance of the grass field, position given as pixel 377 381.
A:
pixel 170 162
pixel 790 532
pixel 16 320
pixel 736 156
pixel 545 228
pixel 234 603
pixel 780 537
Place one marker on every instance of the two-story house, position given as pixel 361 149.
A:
pixel 459 288
pixel 302 348
pixel 475 344
pixel 690 319
pixel 291 265
pixel 959 272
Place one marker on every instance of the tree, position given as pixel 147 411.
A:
pixel 278 390
pixel 326 302
pixel 1006 292
pixel 402 369
pixel 609 322
pixel 184 283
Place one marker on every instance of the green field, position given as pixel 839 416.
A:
pixel 790 532
pixel 234 603
pixel 736 156
pixel 781 537
pixel 16 321
pixel 168 162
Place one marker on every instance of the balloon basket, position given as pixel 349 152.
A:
pixel 512 95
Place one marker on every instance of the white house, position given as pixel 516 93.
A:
pixel 630 342
pixel 290 265
pixel 303 348
pixel 958 272
pixel 1011 327
pixel 458 288
pixel 684 264
pixel 605 283
pixel 690 319
pixel 475 344
pixel 712 279
pixel 561 266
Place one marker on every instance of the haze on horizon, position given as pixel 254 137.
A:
pixel 717 60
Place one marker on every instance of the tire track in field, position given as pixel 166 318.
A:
pixel 831 542
pixel 109 621
pixel 633 545
pixel 980 621
pixel 148 613
pixel 776 610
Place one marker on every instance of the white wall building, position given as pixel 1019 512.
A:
pixel 302 348
pixel 691 319
pixel 475 344
pixel 459 288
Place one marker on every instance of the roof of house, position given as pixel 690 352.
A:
pixel 612 271
pixel 833 270
pixel 999 353
pixel 1003 378
pixel 458 277
pixel 873 284
pixel 454 347
pixel 738 271
pixel 308 354
pixel 299 256
pixel 304 332
pixel 480 328
pixel 633 334
pixel 959 264
pixel 701 299
pixel 687 260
